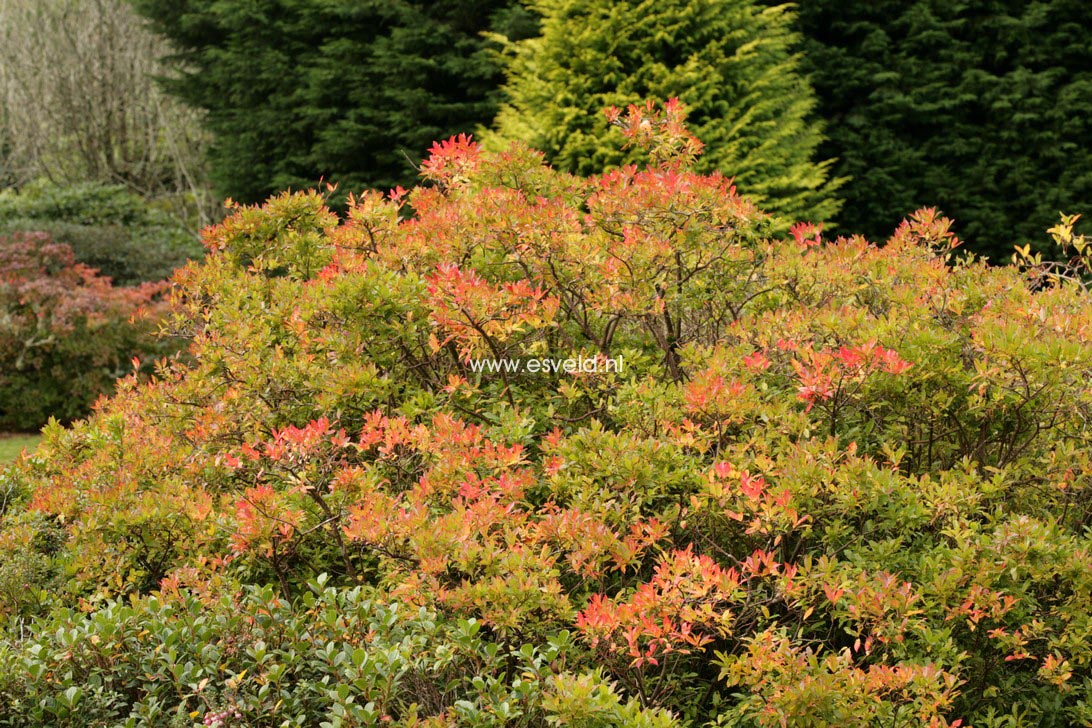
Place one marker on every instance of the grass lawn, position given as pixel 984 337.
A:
pixel 12 445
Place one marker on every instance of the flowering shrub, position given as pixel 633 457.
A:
pixel 835 482
pixel 65 332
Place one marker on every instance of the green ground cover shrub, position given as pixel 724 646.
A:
pixel 337 657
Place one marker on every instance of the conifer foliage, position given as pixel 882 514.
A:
pixel 977 108
pixel 731 61
pixel 348 90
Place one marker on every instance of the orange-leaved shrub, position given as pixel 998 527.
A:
pixel 796 482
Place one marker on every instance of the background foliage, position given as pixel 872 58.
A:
pixel 978 108
pixel 79 103
pixel 107 228
pixel 352 92
pixel 66 334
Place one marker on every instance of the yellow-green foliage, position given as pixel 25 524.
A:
pixel 731 61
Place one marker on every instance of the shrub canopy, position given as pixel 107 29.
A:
pixel 66 333
pixel 833 483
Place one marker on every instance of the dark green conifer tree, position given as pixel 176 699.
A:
pixel 978 107
pixel 351 91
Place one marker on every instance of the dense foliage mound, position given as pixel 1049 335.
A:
pixel 978 108
pixel 832 483
pixel 732 61
pixel 66 333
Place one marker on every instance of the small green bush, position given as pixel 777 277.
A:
pixel 85 204
pixel 248 657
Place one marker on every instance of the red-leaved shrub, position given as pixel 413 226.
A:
pixel 66 333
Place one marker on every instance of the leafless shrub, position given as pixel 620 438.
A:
pixel 79 101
